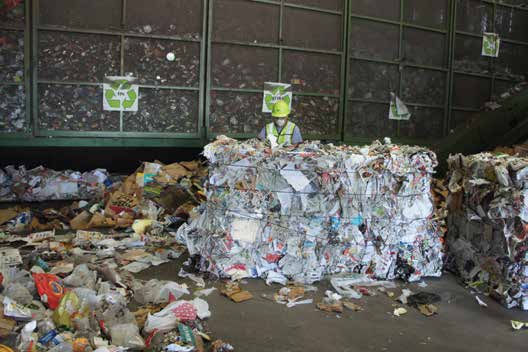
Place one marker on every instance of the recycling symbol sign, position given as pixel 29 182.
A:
pixel 274 92
pixel 490 44
pixel 119 94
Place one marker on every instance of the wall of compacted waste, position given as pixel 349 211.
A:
pixel 488 222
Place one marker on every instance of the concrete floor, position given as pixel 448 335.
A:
pixel 260 325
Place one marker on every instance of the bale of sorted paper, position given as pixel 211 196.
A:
pixel 307 211
pixel 488 222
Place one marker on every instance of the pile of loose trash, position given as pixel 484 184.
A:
pixel 303 212
pixel 488 224
pixel 67 275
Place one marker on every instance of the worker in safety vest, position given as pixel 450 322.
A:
pixel 281 131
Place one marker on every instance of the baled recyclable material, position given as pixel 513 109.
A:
pixel 316 209
pixel 487 239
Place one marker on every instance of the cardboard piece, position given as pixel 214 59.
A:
pixel 7 214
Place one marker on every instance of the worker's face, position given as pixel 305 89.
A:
pixel 281 122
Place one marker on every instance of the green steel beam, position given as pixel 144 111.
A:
pixel 401 56
pixel 34 65
pixel 461 108
pixel 10 83
pixel 5 27
pixel 385 102
pixel 116 33
pixel 212 136
pixel 122 54
pixel 490 59
pixel 343 73
pixel 397 62
pixel 149 86
pixel 204 59
pixel 27 64
pixel 276 46
pixel 114 134
pixel 100 142
pixel 208 70
pixel 398 23
pixel 474 74
pixel 259 91
pixel 505 40
pixel 313 8
pixel 451 59
pixel 281 22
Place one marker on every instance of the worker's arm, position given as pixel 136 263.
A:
pixel 297 137
pixel 262 134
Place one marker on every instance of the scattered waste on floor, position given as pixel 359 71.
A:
pixel 300 213
pixel 487 241
pixel 399 311
pixel 481 302
pixel 518 325
pixel 233 291
pixel 67 275
pixel 352 306
pixel 428 309
pixel 40 184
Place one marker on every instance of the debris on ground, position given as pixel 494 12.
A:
pixel 422 298
pixel 428 309
pixel 369 209
pixel 518 325
pixel 481 302
pixel 233 291
pixel 487 242
pixel 352 306
pixel 40 184
pixel 154 198
pixel 67 275
pixel 331 303
pixel 399 311
pixel 357 285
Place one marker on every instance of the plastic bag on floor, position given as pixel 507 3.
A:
pixel 175 312
pixel 127 335
pixel 18 293
pixel 81 276
pixel 156 291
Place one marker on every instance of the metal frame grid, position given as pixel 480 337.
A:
pixel 26 29
pixel 492 76
pixel 282 4
pixel 401 63
pixel 124 139
pixel 177 138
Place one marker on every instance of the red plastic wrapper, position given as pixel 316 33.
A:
pixel 50 289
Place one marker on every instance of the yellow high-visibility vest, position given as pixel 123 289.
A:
pixel 285 136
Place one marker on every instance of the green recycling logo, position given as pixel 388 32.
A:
pixel 279 93
pixel 120 95
pixel 490 44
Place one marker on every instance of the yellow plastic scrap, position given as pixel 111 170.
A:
pixel 518 325
pixel 141 226
pixel 400 311
pixel 68 306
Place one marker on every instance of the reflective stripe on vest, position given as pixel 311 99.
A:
pixel 286 134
